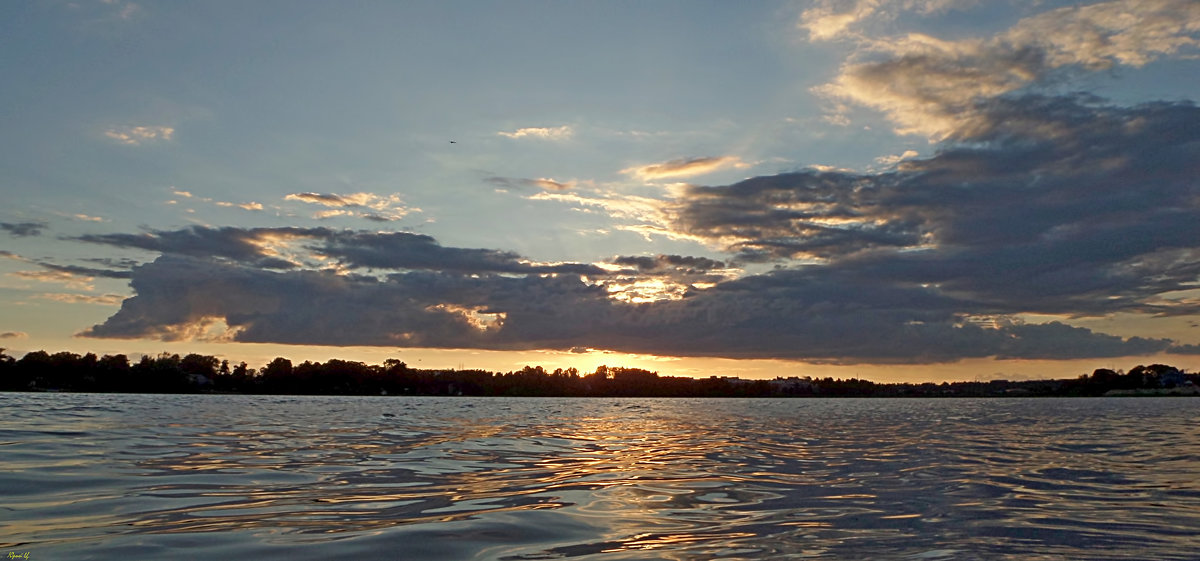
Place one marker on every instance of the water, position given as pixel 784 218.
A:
pixel 88 476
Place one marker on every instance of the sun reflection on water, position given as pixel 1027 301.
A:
pixel 611 479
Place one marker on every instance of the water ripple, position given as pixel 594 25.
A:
pixel 104 476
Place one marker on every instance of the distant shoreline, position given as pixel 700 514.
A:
pixel 195 373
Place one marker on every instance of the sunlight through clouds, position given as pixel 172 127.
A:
pixel 363 205
pixel 930 86
pixel 684 167
pixel 873 182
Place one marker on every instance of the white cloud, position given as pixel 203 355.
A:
pixel 548 133
pixel 827 20
pixel 833 19
pixel 138 135
pixel 243 206
pixel 684 167
pixel 894 159
pixel 363 205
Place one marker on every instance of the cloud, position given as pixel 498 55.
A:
pixel 824 21
pixel 175 295
pixel 363 205
pixel 23 229
pixel 399 250
pixel 546 133
pixel 1053 205
pixel 784 315
pixel 68 298
pixel 236 244
pixel 244 206
pixel 70 280
pixel 1184 349
pixel 287 248
pixel 251 206
pixel 931 86
pixel 908 302
pixel 545 184
pixel 89 272
pixel 14 335
pixel 138 135
pixel 893 159
pixel 321 199
pixel 646 210
pixel 1030 206
pixel 684 167
pixel 122 10
pixel 661 263
pixel 834 19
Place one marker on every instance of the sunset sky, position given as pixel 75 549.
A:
pixel 896 190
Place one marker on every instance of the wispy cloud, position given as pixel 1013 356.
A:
pixel 251 206
pixel 14 335
pixel 644 210
pixel 138 135
pixel 893 159
pixel 70 280
pixel 684 167
pixel 243 206
pixel 827 20
pixel 546 133
pixel 543 183
pixel 124 10
pixel 836 19
pixel 70 298
pixel 23 229
pixel 362 205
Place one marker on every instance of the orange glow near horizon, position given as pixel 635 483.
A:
pixel 257 355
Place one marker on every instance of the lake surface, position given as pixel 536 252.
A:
pixel 93 476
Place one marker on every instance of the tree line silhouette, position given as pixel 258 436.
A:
pixel 196 373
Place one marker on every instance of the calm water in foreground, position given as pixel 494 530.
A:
pixel 88 476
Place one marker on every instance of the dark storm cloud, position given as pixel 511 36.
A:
pixel 1184 349
pixel 686 271
pixel 788 314
pixel 1044 205
pixel 174 294
pixel 816 214
pixel 400 250
pixel 238 244
pixel 1055 205
pixel 351 248
pixel 87 271
pixel 669 263
pixel 23 229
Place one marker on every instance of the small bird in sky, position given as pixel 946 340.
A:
pixel 453 142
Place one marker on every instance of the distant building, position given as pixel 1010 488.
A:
pixel 1173 378
pixel 791 385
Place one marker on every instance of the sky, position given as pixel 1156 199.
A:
pixel 905 190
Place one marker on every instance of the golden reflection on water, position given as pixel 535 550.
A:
pixel 612 478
